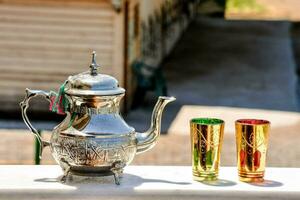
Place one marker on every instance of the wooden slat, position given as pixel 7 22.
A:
pixel 47 45
pixel 60 53
pixel 9 75
pixel 56 28
pixel 59 3
pixel 105 33
pixel 60 10
pixel 51 70
pixel 66 39
pixel 78 55
pixel 49 21
pixel 89 17
pixel 76 63
pixel 52 42
pixel 13 84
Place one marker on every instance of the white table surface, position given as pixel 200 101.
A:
pixel 144 182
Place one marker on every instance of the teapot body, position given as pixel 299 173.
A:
pixel 93 138
pixel 94 155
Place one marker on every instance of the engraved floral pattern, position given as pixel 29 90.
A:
pixel 87 152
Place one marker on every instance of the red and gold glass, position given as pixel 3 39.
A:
pixel 252 137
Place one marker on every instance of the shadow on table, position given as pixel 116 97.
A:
pixel 219 182
pixel 267 183
pixel 127 179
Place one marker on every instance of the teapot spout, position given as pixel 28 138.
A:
pixel 148 139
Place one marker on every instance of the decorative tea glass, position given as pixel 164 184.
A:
pixel 252 137
pixel 206 142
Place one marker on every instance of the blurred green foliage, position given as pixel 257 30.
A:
pixel 244 6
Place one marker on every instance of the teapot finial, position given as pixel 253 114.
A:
pixel 94 64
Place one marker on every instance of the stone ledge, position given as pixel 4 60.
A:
pixel 147 182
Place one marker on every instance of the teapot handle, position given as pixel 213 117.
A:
pixel 24 105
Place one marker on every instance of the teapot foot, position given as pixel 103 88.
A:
pixel 117 178
pixel 66 175
pixel 66 169
pixel 117 170
pixel 118 174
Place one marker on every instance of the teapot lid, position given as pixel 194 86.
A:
pixel 92 83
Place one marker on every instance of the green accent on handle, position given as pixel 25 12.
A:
pixel 60 103
pixel 207 121
pixel 37 148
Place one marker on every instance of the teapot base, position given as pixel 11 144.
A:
pixel 92 171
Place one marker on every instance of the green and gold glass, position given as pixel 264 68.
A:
pixel 206 141
pixel 252 137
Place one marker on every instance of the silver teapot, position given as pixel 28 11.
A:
pixel 94 139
